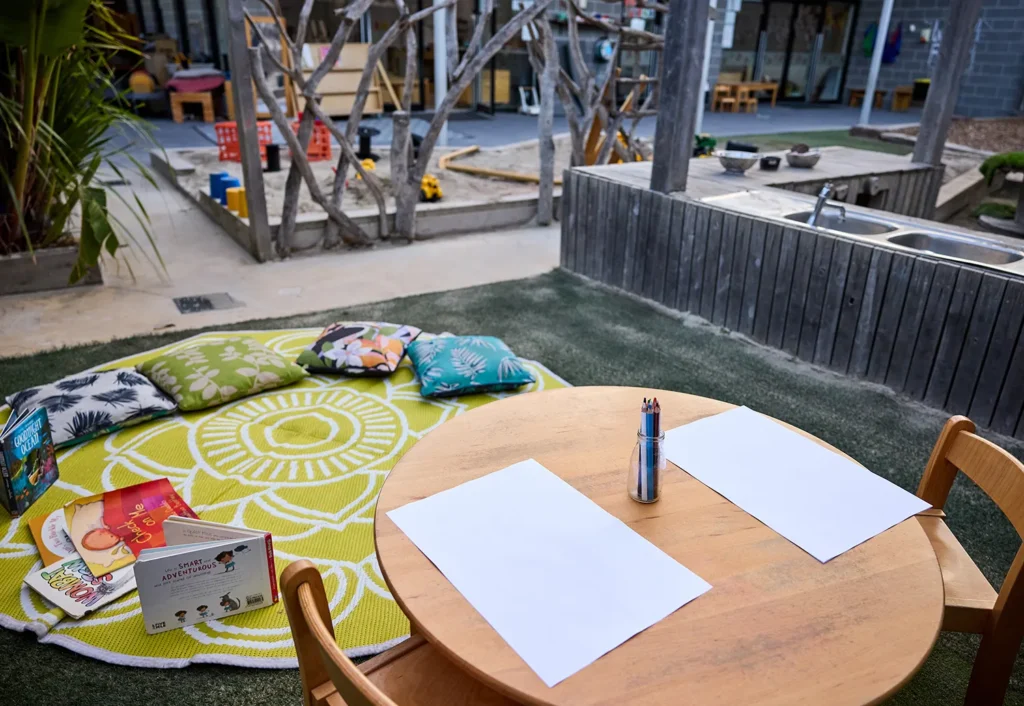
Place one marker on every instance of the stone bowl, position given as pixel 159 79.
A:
pixel 804 160
pixel 737 162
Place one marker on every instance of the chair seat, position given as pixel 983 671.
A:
pixel 969 596
pixel 414 673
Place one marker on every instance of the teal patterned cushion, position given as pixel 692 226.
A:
pixel 465 365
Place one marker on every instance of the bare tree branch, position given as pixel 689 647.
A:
pixel 476 40
pixel 351 232
pixel 275 60
pixel 300 31
pixel 349 16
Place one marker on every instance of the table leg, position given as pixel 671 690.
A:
pixel 775 94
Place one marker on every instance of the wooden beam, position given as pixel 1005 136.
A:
pixel 682 65
pixel 248 139
pixel 954 55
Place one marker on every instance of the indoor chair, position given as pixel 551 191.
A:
pixel 972 605
pixel 413 672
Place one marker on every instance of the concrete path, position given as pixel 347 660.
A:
pixel 202 259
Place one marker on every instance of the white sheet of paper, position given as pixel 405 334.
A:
pixel 560 579
pixel 815 498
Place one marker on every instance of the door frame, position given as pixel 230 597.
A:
pixel 791 36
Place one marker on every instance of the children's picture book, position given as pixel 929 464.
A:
pixel 207 571
pixel 110 529
pixel 68 584
pixel 28 464
pixel 50 533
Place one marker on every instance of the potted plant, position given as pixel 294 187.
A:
pixel 1004 164
pixel 55 81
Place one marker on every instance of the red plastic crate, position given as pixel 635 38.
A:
pixel 227 140
pixel 319 142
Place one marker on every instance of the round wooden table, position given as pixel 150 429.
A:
pixel 778 627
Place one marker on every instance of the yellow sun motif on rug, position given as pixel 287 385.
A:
pixel 305 462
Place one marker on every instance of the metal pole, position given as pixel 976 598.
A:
pixel 876 62
pixel 698 126
pixel 682 65
pixel 954 56
pixel 441 65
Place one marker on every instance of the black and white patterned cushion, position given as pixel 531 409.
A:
pixel 87 405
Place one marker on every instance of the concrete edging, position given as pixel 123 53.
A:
pixel 432 220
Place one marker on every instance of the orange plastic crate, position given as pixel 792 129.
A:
pixel 319 142
pixel 227 140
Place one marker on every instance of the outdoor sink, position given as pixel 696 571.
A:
pixel 961 247
pixel 854 225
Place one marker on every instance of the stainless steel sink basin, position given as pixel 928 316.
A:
pixel 854 225
pixel 961 247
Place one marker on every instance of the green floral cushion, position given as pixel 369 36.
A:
pixel 465 365
pixel 210 374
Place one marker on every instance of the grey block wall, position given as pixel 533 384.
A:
pixel 994 82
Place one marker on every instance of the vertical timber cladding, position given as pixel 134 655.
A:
pixel 949 335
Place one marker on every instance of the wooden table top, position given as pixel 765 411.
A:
pixel 757 85
pixel 778 627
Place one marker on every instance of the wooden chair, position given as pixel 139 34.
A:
pixel 722 98
pixel 179 99
pixel 411 673
pixel 901 98
pixel 972 605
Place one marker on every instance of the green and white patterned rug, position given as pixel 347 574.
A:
pixel 305 462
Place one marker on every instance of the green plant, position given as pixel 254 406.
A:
pixel 55 78
pixel 995 209
pixel 1006 162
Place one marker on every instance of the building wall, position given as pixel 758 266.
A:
pixel 994 80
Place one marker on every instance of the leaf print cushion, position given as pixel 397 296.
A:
pixel 358 348
pixel 84 406
pixel 461 365
pixel 210 374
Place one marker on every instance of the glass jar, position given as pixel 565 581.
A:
pixel 646 464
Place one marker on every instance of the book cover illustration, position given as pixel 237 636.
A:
pixel 28 463
pixel 69 585
pixel 189 583
pixel 110 529
pixel 50 533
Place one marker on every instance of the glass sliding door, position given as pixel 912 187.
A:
pixel 803 40
pixel 833 50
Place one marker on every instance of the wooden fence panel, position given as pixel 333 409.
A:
pixel 723 278
pixel 871 304
pixel 734 308
pixel 752 276
pixel 1008 412
pixel 815 301
pixel 700 247
pixel 568 216
pixel 914 304
pixel 994 370
pixel 675 246
pixel 714 247
pixel 900 273
pixel 979 334
pixel 798 291
pixel 926 346
pixel 783 286
pixel 954 332
pixel 632 226
pixel 686 256
pixel 846 330
pixel 766 288
pixel 832 302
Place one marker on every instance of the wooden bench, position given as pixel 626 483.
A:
pixel 901 97
pixel 857 96
pixel 178 101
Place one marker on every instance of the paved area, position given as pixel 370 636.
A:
pixel 507 128
pixel 201 259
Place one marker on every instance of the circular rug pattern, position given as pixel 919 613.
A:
pixel 305 462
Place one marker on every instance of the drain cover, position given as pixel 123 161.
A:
pixel 206 302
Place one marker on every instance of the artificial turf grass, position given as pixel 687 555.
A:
pixel 590 336
pixel 818 138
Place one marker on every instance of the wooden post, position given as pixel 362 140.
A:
pixel 954 54
pixel 682 65
pixel 248 139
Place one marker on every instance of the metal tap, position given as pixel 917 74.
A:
pixel 826 191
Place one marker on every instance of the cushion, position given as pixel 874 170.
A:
pixel 210 374
pixel 358 348
pixel 87 405
pixel 460 365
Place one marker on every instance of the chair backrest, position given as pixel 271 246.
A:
pixel 997 473
pixel 730 76
pixel 320 658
